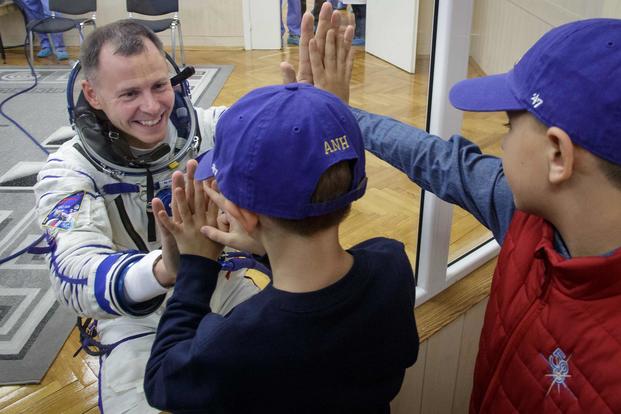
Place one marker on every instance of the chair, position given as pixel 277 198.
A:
pixel 59 24
pixel 158 8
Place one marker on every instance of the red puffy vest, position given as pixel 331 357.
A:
pixel 551 339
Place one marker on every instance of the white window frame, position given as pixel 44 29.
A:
pixel 449 64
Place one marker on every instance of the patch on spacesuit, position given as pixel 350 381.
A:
pixel 64 213
pixel 257 277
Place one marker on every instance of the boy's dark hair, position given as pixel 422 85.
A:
pixel 335 181
pixel 611 171
pixel 126 36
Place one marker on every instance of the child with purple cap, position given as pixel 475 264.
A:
pixel 551 338
pixel 335 330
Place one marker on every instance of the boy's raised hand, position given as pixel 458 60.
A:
pixel 332 57
pixel 304 74
pixel 325 58
pixel 189 215
pixel 229 231
pixel 166 270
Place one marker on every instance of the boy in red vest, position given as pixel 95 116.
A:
pixel 551 339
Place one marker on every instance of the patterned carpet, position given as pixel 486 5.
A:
pixel 33 326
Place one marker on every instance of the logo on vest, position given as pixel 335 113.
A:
pixel 559 365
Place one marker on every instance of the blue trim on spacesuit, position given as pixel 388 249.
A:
pixel 121 188
pixel 134 308
pixel 55 193
pixel 100 282
pixel 57 271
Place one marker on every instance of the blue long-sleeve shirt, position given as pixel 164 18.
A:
pixel 455 170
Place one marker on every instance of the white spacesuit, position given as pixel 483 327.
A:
pixel 103 251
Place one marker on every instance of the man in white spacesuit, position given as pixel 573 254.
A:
pixel 93 201
pixel 94 197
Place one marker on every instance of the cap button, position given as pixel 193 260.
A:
pixel 292 86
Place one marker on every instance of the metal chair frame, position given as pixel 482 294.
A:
pixel 159 8
pixel 66 7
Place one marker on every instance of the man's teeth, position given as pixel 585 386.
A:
pixel 149 123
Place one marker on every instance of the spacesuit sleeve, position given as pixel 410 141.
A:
pixel 87 269
pixel 207 119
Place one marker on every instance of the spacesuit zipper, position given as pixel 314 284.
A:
pixel 127 224
pixel 534 309
pixel 150 217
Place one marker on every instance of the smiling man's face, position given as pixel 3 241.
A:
pixel 134 92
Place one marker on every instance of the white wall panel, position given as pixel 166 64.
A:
pixel 391 32
pixel 441 368
pixel 502 30
pixel 441 379
pixel 203 22
pixel 471 332
pixel 409 399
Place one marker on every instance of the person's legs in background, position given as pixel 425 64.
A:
pixel 34 11
pixel 57 38
pixel 360 14
pixel 317 8
pixel 294 18
pixel 295 9
pixel 38 9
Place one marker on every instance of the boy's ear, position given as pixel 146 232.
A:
pixel 90 94
pixel 561 155
pixel 246 218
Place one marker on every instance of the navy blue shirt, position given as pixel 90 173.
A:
pixel 341 349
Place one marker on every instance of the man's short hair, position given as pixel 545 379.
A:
pixel 334 182
pixel 126 37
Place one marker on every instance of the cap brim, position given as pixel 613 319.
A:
pixel 486 94
pixel 204 171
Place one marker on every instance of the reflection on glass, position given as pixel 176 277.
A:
pixel 391 205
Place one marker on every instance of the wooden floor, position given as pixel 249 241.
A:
pixel 390 207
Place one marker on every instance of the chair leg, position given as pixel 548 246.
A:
pixel 31 41
pixel 49 38
pixel 2 49
pixel 173 43
pixel 181 44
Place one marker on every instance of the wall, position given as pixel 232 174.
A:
pixel 204 23
pixel 495 45
pixel 425 25
pixel 441 379
pixel 502 30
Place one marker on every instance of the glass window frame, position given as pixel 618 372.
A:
pixel 450 52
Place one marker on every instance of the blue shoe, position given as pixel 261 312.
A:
pixel 45 52
pixel 357 41
pixel 340 6
pixel 293 40
pixel 62 55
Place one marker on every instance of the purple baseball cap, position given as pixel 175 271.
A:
pixel 273 145
pixel 570 78
pixel 203 171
